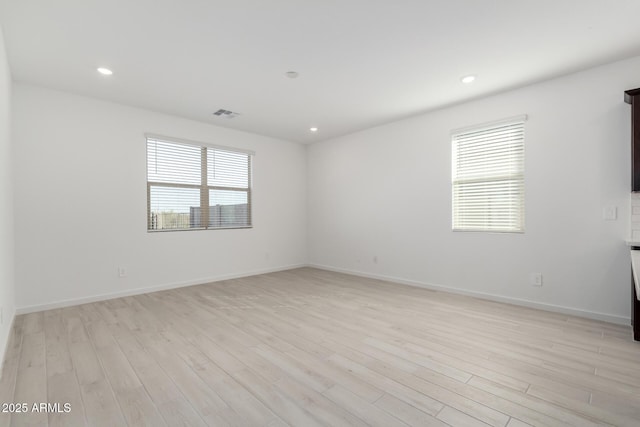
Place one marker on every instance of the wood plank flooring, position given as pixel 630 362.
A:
pixel 308 347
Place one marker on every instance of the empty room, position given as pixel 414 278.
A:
pixel 320 213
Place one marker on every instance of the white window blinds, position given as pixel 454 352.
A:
pixel 488 177
pixel 192 186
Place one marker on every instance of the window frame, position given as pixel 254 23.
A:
pixel 518 175
pixel 204 186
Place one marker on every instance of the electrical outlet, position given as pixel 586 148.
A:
pixel 535 279
pixel 610 213
pixel 122 272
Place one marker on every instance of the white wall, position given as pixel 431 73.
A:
pixel 7 284
pixel 386 193
pixel 80 195
pixel 80 201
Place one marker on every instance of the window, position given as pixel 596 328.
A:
pixel 192 186
pixel 488 177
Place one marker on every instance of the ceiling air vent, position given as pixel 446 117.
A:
pixel 226 114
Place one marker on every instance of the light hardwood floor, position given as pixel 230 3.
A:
pixel 308 347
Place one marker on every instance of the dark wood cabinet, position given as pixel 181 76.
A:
pixel 633 97
pixel 635 305
pixel 635 312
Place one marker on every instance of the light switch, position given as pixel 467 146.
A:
pixel 610 213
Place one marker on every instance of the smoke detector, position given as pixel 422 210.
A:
pixel 226 114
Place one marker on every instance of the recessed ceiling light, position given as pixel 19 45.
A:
pixel 468 79
pixel 105 71
pixel 291 74
pixel 313 129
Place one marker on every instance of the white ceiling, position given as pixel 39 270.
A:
pixel 361 62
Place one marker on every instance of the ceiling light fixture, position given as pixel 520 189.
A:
pixel 291 74
pixel 313 129
pixel 468 79
pixel 105 71
pixel 226 114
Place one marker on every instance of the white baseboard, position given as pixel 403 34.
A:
pixel 611 318
pixel 138 291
